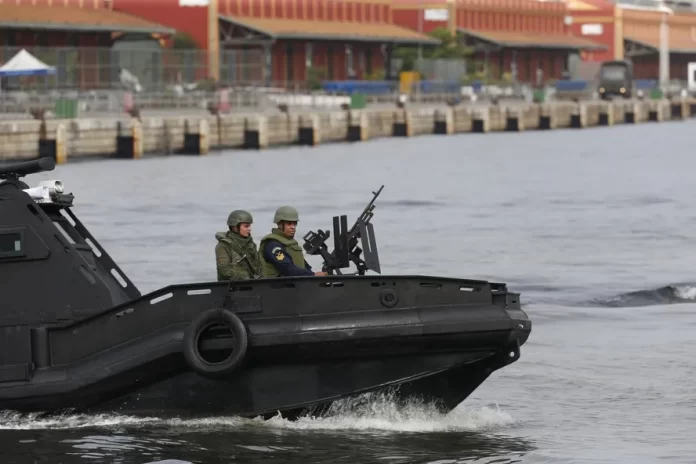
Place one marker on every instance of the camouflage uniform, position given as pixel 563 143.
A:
pixel 237 257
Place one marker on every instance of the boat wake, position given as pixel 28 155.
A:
pixel 380 411
pixel 369 412
pixel 669 294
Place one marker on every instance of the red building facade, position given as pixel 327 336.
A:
pixel 511 36
pixel 633 32
pixel 641 40
pixel 290 41
pixel 596 20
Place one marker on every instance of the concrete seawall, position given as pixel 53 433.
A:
pixel 127 137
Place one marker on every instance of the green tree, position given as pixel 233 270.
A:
pixel 315 74
pixel 183 41
pixel 450 47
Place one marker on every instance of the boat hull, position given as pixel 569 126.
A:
pixel 295 390
pixel 128 361
pixel 165 387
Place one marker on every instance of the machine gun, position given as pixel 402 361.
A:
pixel 346 249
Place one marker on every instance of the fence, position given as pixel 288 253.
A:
pixel 585 70
pixel 441 69
pixel 154 68
pixel 247 96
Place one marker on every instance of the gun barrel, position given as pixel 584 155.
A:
pixel 367 213
pixel 345 240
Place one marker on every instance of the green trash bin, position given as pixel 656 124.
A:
pixel 66 108
pixel 358 101
pixel 656 94
pixel 539 96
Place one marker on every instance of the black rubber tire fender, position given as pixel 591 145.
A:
pixel 193 332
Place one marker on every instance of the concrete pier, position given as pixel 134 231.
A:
pixel 131 138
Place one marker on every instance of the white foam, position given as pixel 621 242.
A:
pixel 685 292
pixel 10 420
pixel 380 412
pixel 369 412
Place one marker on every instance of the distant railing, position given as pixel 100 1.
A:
pixel 247 97
pixel 97 103
pixel 385 87
pixel 254 98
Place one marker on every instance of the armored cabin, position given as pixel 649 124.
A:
pixel 47 257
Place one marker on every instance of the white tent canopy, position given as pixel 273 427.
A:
pixel 25 64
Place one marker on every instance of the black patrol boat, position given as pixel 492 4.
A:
pixel 77 335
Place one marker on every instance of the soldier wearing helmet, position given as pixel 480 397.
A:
pixel 280 253
pixel 236 255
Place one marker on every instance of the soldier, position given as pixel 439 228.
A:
pixel 280 253
pixel 236 255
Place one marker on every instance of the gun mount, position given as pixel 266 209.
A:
pixel 346 249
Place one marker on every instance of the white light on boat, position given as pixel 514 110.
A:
pixel 55 185
pixel 46 191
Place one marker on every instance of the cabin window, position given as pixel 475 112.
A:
pixel 11 244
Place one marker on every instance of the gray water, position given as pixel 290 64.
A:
pixel 596 228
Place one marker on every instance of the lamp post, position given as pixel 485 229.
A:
pixel 420 28
pixel 664 45
pixel 665 12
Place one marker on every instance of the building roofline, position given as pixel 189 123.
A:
pixel 678 51
pixel 481 35
pixel 87 27
pixel 336 37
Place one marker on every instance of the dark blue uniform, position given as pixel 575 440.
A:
pixel 285 266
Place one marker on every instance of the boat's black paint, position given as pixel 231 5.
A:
pixel 72 336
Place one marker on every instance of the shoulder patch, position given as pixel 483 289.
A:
pixel 279 255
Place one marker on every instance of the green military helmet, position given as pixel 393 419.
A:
pixel 286 213
pixel 238 216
